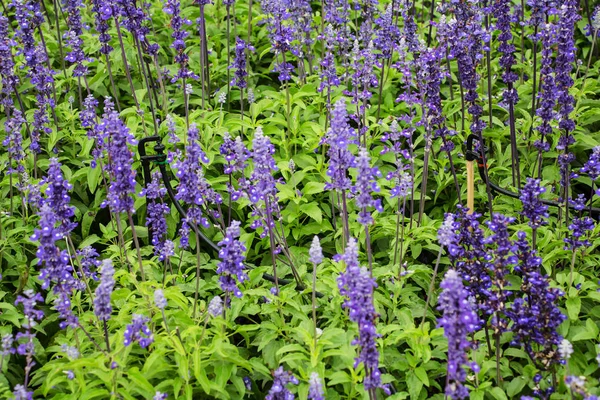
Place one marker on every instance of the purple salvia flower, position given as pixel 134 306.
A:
pixel 102 307
pixel 467 48
pixel 281 380
pixel 240 64
pixel 534 312
pixel 76 56
pixel 302 18
pixel 502 258
pixel 565 57
pixel 337 12
pixel 363 77
pixel 56 268
pixel 25 339
pixel 315 388
pixel 173 8
pixel 8 78
pixel 447 235
pixel 138 331
pixel 281 33
pixel 339 137
pixel 357 286
pixel 88 259
pixel 315 253
pixel 501 9
pixel 366 185
pixel 579 229
pixel 472 258
pixel 122 185
pixel 329 75
pixel 458 320
pixel 533 208
pixel 387 33
pixel 103 11
pixel 547 94
pixel 261 188
pixel 193 187
pixel 592 165
pixel 430 75
pixel 57 197
pixel 13 142
pixel 232 258
pixel 156 218
pixel 235 152
pixel 134 19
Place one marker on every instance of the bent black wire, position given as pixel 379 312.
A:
pixel 473 155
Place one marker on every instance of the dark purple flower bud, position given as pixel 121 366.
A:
pixel 88 258
pixel 57 197
pixel 579 229
pixel 103 10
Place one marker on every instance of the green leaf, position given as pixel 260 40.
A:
pixel 515 386
pixel 573 307
pixel 414 385
pixel 313 187
pixel 313 210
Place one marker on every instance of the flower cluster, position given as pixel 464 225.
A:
pixel 73 36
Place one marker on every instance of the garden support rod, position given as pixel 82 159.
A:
pixel 161 160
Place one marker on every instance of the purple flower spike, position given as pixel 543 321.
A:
pixel 533 208
pixel 232 258
pixel 339 137
pixel 366 185
pixel 239 63
pixel 102 307
pixel 458 320
pixel 122 185
pixel 357 285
